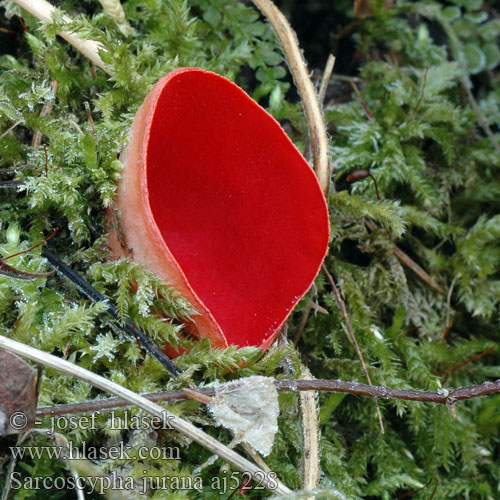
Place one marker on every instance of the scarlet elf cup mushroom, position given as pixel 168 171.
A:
pixel 217 200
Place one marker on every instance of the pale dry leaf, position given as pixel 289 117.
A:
pixel 249 408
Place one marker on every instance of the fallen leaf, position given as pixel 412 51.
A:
pixel 17 394
pixel 249 408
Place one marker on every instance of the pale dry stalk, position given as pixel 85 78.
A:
pixel 306 90
pixel 43 11
pixel 310 436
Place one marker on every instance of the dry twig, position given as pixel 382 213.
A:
pixel 310 436
pixel 444 396
pixel 325 79
pixel 44 10
pixel 305 87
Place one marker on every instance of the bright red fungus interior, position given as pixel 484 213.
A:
pixel 235 203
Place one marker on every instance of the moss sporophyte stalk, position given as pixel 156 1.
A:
pixel 416 270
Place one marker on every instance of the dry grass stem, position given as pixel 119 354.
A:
pixel 305 87
pixel 114 9
pixel 310 436
pixel 302 326
pixel 10 129
pixel 255 457
pixel 421 273
pixel 44 10
pixel 325 79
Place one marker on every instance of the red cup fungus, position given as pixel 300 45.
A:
pixel 216 200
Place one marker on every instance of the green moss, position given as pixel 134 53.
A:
pixel 438 178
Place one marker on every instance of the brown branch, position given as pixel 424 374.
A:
pixel 448 328
pixel 34 246
pixel 410 493
pixel 12 272
pixel 352 336
pixel 14 170
pixel 11 184
pixel 444 396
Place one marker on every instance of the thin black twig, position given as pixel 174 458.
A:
pixel 90 292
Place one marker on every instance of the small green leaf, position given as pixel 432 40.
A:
pixel 473 4
pixel 269 54
pixel 464 28
pixel 492 54
pixel 490 30
pixel 476 17
pixel 36 45
pixel 451 13
pixel 12 234
pixel 275 99
pixel 441 77
pixel 279 72
pixel 255 29
pixel 329 407
pixel 212 16
pixel 10 112
pixel 476 60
